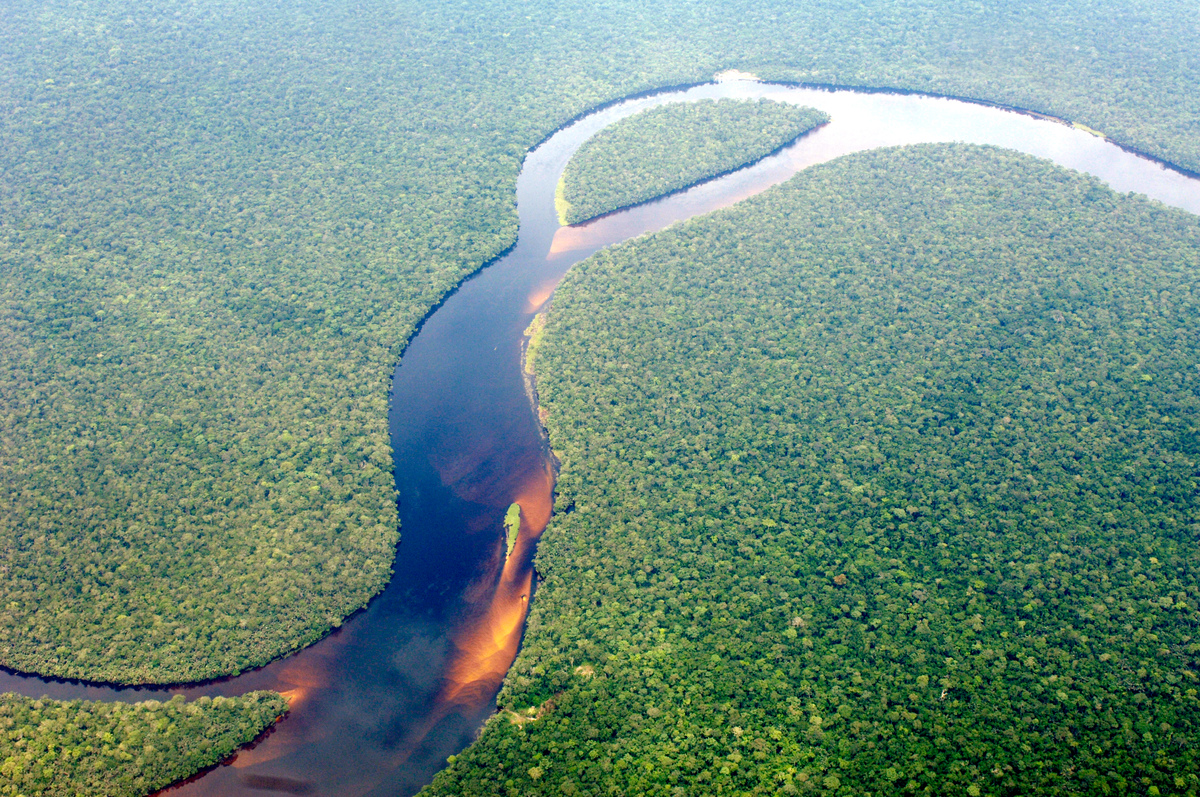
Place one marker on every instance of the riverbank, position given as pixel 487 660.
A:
pixel 466 445
pixel 795 471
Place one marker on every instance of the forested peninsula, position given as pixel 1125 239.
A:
pixel 86 748
pixel 662 150
pixel 890 490
pixel 220 224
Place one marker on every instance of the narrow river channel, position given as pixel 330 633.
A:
pixel 379 705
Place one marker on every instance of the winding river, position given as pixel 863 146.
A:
pixel 379 705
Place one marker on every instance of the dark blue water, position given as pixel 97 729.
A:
pixel 380 704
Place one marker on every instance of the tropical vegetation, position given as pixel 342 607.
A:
pixel 221 222
pixel 86 748
pixel 890 490
pixel 674 146
pixel 512 527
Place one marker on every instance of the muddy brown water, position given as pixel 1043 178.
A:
pixel 379 705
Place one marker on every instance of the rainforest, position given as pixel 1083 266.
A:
pixel 924 415
pixel 672 147
pixel 894 490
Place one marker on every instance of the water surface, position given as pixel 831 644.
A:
pixel 379 705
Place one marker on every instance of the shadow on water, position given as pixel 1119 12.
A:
pixel 377 706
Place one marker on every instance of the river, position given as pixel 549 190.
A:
pixel 378 705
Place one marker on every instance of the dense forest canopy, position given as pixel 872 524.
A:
pixel 220 223
pixel 91 749
pixel 671 147
pixel 886 481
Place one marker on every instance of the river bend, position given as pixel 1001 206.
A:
pixel 378 705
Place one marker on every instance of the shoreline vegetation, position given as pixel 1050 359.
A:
pixel 89 748
pixel 535 333
pixel 815 429
pixel 533 339
pixel 672 148
pixel 131 437
pixel 220 225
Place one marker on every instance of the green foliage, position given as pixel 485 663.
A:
pixel 533 339
pixel 221 222
pixel 48 747
pixel 512 526
pixel 675 146
pixel 890 490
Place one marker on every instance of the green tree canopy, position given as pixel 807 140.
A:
pixel 674 146
pixel 85 748
pixel 886 481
